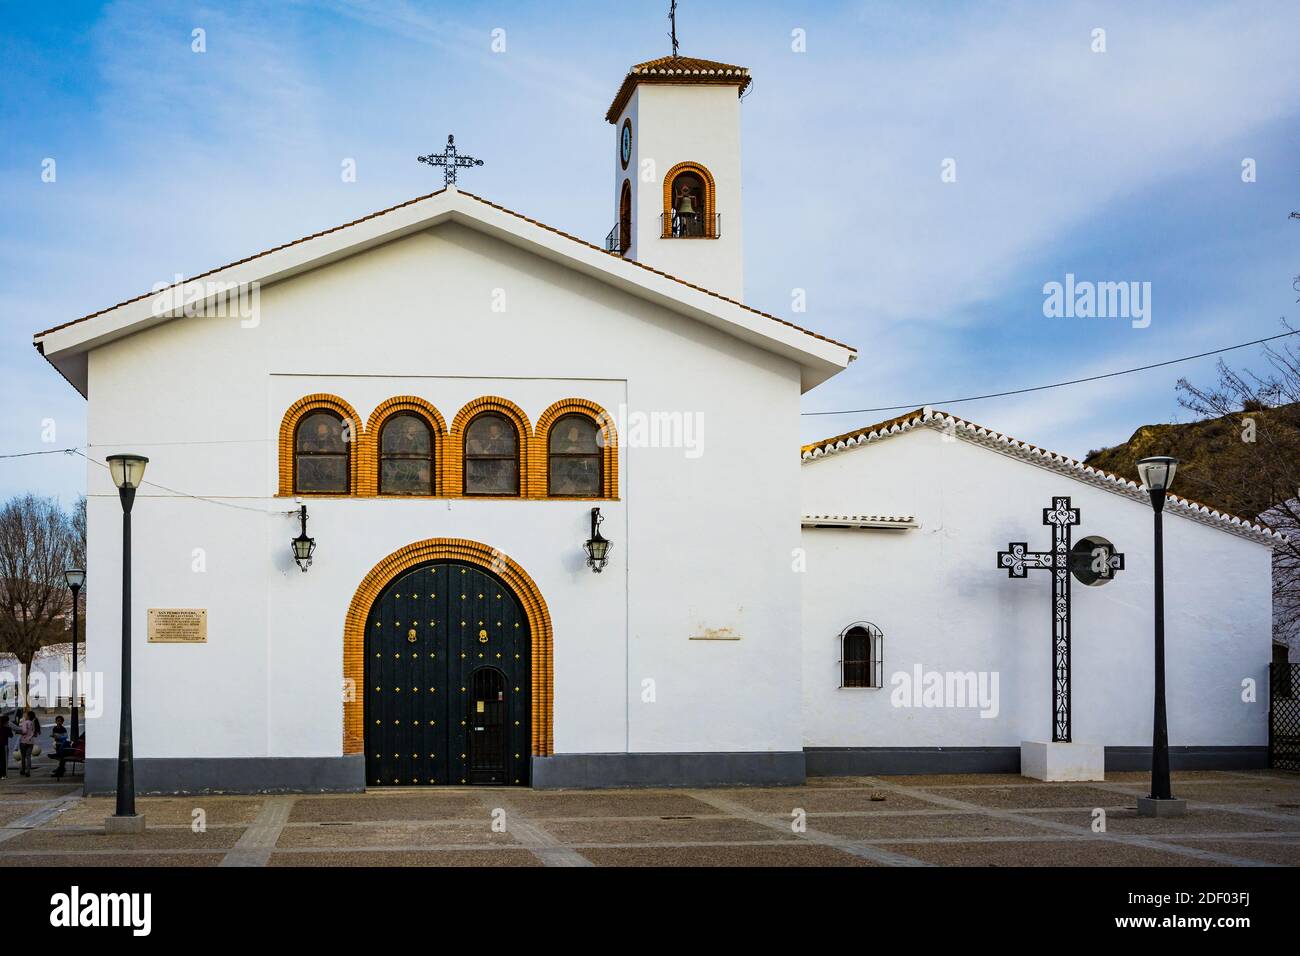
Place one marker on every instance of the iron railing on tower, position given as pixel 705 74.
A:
pixel 690 226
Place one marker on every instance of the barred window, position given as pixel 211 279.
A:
pixel 861 650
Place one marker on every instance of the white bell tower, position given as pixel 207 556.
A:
pixel 677 170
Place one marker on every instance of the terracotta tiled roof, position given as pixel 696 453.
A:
pixel 1063 464
pixel 485 202
pixel 678 69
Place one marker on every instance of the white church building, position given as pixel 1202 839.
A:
pixel 460 404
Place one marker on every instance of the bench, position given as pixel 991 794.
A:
pixel 77 756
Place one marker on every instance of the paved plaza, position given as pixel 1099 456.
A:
pixel 1233 819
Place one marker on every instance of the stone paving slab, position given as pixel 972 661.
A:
pixel 12 811
pixel 21 790
pixel 372 807
pixel 955 780
pixel 114 860
pixel 380 835
pixel 782 802
pixel 541 805
pixel 91 811
pixel 66 840
pixel 877 827
pixel 1196 821
pixel 433 858
pixel 1040 796
pixel 1085 851
pixel 794 854
pixel 1265 792
pixel 1277 852
pixel 664 831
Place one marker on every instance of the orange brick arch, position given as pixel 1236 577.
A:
pixel 608 437
pixel 710 198
pixel 289 424
pixel 449 549
pixel 454 460
pixel 368 449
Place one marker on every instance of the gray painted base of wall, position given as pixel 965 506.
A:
pixel 782 769
pixel 869 761
pixel 578 771
pixel 1190 758
pixel 233 774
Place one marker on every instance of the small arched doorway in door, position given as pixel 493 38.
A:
pixel 447 680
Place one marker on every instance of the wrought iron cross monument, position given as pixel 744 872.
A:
pixel 1018 559
pixel 450 161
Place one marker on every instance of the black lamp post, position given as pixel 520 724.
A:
pixel 127 472
pixel 75 578
pixel 597 546
pixel 1157 475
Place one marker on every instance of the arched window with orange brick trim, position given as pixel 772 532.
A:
pixel 403 450
pixel 489 451
pixel 690 203
pixel 577 447
pixel 318 441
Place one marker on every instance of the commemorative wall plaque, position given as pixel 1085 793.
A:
pixel 178 625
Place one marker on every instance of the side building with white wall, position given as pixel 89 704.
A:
pixel 903 525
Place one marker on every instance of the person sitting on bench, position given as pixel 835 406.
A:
pixel 66 751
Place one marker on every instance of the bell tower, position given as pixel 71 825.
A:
pixel 677 170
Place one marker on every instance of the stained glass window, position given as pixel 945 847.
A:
pixel 320 455
pixel 406 456
pixel 491 456
pixel 575 458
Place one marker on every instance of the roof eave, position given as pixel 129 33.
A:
pixel 997 442
pixel 819 358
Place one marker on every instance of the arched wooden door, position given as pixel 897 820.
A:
pixel 447 680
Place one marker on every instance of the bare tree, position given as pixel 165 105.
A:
pixel 1262 473
pixel 36 543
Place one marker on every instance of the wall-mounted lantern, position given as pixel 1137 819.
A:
pixel 597 545
pixel 303 546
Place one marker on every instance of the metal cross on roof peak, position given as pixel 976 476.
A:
pixel 450 161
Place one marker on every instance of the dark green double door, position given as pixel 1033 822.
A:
pixel 447 680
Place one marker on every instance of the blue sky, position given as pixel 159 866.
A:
pixel 1116 166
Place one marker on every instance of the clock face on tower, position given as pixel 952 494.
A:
pixel 625 143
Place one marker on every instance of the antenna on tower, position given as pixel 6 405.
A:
pixel 672 18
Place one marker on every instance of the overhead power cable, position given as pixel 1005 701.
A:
pixel 1041 388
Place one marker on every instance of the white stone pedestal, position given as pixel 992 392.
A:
pixel 1049 760
pixel 117 824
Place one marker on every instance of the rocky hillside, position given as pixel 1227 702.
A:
pixel 1221 465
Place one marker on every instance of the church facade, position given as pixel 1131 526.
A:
pixel 461 407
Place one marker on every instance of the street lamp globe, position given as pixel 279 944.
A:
pixel 1157 472
pixel 127 471
pixel 75 577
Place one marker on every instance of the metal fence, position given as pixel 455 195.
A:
pixel 1284 716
